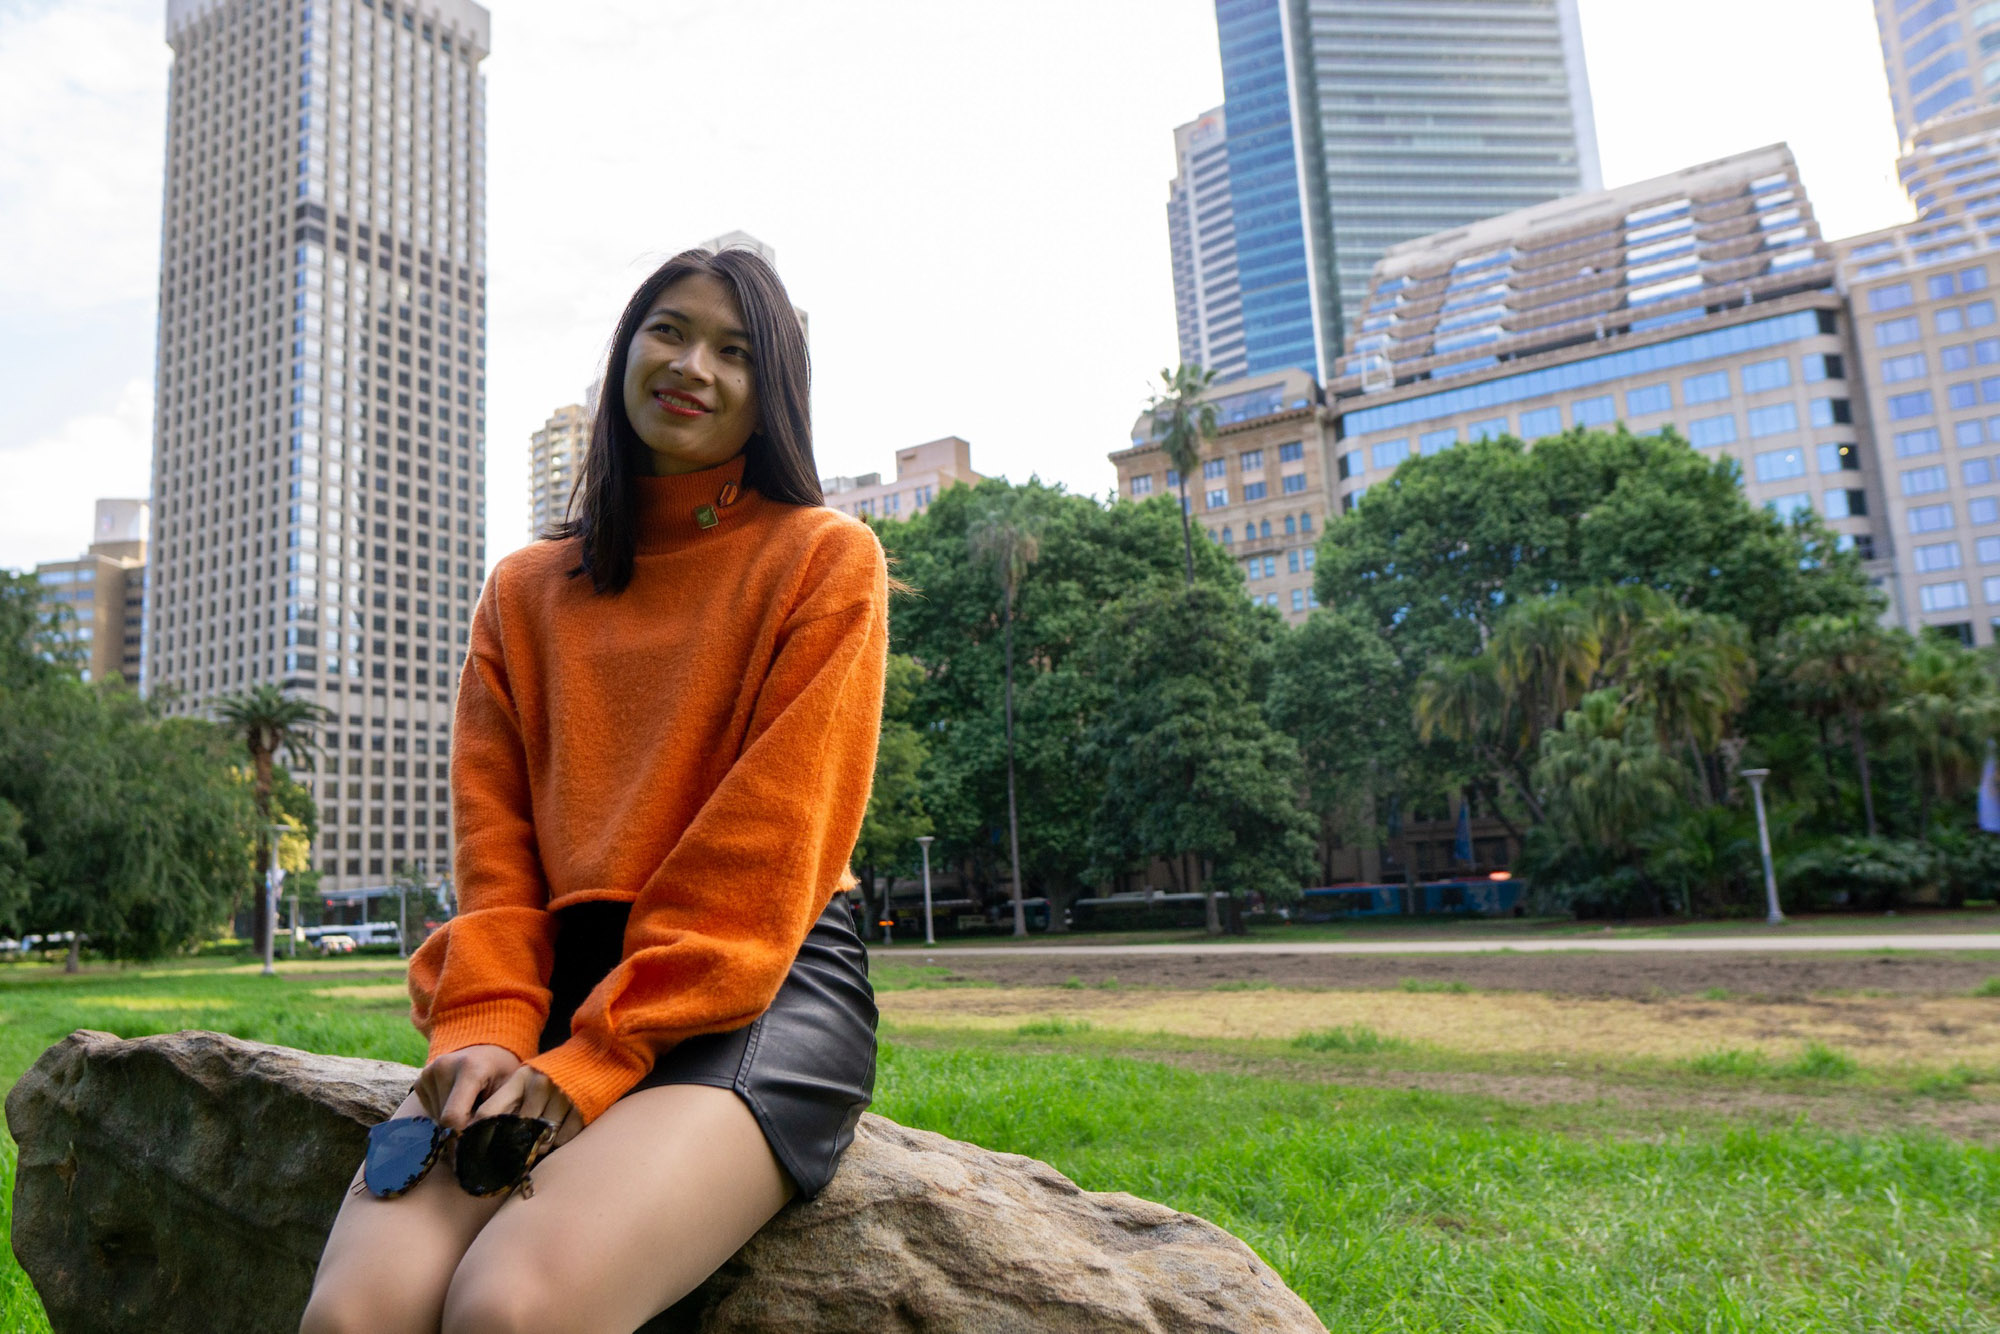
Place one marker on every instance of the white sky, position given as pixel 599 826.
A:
pixel 967 198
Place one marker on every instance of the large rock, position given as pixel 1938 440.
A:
pixel 187 1182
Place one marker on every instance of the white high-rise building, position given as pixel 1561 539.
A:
pixel 319 451
pixel 1201 231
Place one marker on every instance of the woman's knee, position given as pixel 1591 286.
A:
pixel 514 1299
pixel 363 1310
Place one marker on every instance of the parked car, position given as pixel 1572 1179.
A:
pixel 336 944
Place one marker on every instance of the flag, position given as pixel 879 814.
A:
pixel 1989 795
pixel 1461 846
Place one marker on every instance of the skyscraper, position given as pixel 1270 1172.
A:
pixel 319 451
pixel 555 458
pixel 1942 57
pixel 1201 234
pixel 1357 124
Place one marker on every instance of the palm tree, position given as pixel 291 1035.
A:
pixel 1182 421
pixel 268 720
pixel 1948 711
pixel 1694 671
pixel 1846 667
pixel 1010 543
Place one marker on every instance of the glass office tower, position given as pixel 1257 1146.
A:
pixel 319 425
pixel 1942 57
pixel 1357 124
pixel 1201 236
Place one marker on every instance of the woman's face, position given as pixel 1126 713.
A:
pixel 690 387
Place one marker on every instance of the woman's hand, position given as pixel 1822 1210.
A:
pixel 456 1082
pixel 529 1092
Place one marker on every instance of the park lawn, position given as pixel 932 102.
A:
pixel 1387 1208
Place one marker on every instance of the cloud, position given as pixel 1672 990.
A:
pixel 52 484
pixel 83 96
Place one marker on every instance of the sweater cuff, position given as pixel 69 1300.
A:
pixel 592 1074
pixel 514 1024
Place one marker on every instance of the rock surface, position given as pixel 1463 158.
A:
pixel 187 1182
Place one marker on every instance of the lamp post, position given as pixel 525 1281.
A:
pixel 274 875
pixel 930 929
pixel 1773 914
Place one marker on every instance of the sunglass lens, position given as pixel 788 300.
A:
pixel 494 1154
pixel 399 1151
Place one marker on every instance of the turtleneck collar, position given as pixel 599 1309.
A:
pixel 686 507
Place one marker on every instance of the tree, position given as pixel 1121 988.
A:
pixel 1440 551
pixel 1947 713
pixel 1602 777
pixel 1183 422
pixel 1193 769
pixel 1693 671
pixel 1008 543
pixel 267 720
pixel 1846 667
pixel 1342 697
pixel 895 815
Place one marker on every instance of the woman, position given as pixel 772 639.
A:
pixel 665 734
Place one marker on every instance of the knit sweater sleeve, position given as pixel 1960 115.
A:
pixel 716 926
pixel 483 977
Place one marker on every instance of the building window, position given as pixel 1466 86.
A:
pixel 1436 442
pixel 1351 464
pixel 1142 486
pixel 1254 490
pixel 1291 451
pixel 1594 411
pixel 1491 429
pixel 1909 444
pixel 1214 468
pixel 1903 406
pixel 1977 472
pixel 1816 366
pixel 1967 434
pixel 1830 412
pixel 1891 297
pixel 1842 503
pixel 1925 481
pixel 1250 459
pixel 1912 366
pixel 1987 551
pixel 1934 556
pixel 1218 498
pixel 1775 465
pixel 1944 597
pixel 1227 537
pixel 1710 387
pixel 1389 453
pixel 1294 483
pixel 1540 422
pixel 1708 432
pixel 1652 398
pixel 1759 376
pixel 1787 506
pixel 1773 419
pixel 1905 329
pixel 1931 519
pixel 1980 510
pixel 1299 598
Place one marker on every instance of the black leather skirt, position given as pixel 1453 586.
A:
pixel 805 1067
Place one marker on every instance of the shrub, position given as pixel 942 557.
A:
pixel 1355 1038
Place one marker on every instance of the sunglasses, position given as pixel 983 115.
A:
pixel 488 1156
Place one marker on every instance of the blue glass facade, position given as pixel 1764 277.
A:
pixel 1272 264
pixel 1942 57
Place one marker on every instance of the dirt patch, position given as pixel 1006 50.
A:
pixel 1885 1032
pixel 1640 976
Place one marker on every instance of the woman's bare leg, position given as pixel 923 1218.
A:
pixel 625 1220
pixel 388 1263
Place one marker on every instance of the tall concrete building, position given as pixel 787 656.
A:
pixel 555 453
pixel 1704 300
pixel 319 453
pixel 1354 125
pixel 100 596
pixel 1201 234
pixel 1942 57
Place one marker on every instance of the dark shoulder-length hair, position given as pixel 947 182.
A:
pixel 778 461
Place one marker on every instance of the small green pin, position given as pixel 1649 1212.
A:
pixel 705 515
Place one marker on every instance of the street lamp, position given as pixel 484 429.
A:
pixel 930 931
pixel 1773 914
pixel 274 875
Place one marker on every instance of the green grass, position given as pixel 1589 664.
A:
pixel 1386 1208
pixel 1990 987
pixel 1241 984
pixel 1453 985
pixel 1358 1038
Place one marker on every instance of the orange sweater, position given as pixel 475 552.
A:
pixel 700 745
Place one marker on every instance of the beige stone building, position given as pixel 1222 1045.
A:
pixel 555 454
pixel 1260 491
pixel 101 595
pixel 922 472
